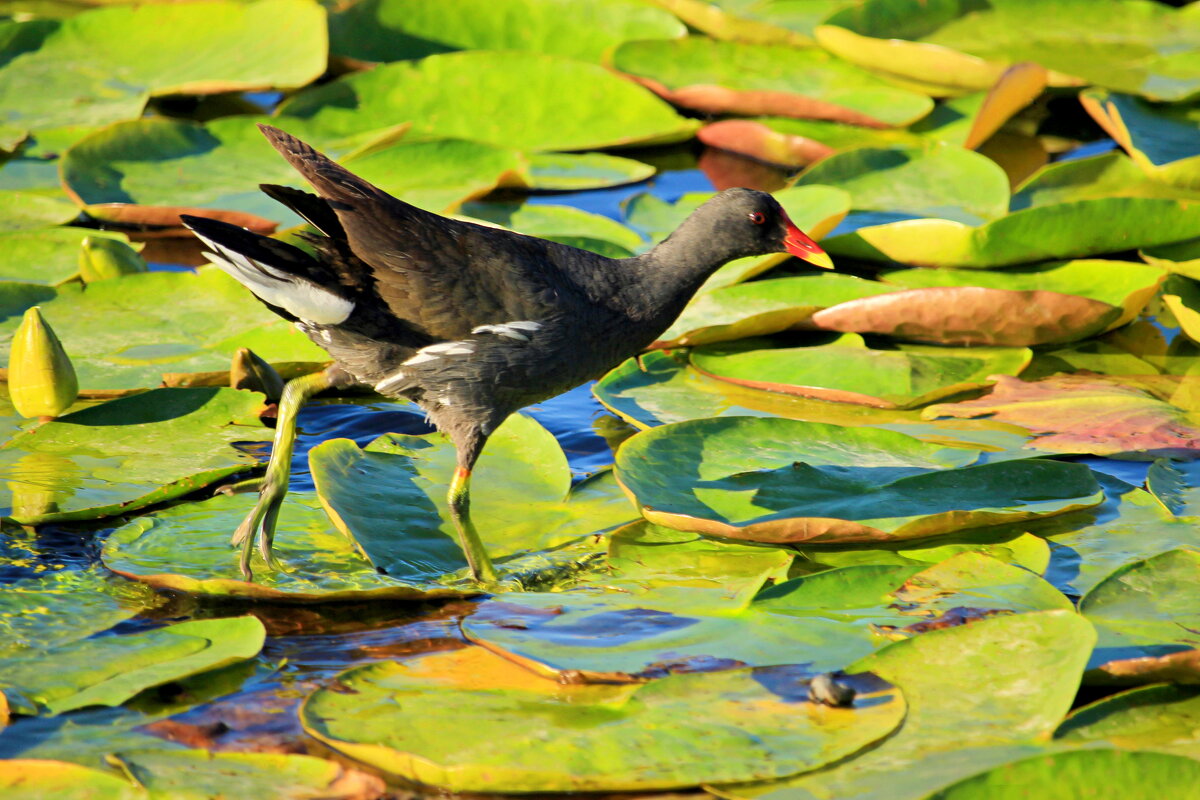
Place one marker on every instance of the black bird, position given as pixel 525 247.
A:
pixel 469 322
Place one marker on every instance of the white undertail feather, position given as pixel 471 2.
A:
pixel 390 382
pixel 299 297
pixel 511 330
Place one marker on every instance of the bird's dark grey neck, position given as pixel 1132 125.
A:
pixel 668 275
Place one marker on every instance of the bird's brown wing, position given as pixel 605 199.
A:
pixel 443 276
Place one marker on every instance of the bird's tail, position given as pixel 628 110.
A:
pixel 284 277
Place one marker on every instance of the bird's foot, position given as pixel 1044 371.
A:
pixel 240 487
pixel 259 525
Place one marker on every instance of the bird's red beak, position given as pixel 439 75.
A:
pixel 802 247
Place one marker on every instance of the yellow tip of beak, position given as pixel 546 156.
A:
pixel 821 260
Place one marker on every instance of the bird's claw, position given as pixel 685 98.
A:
pixel 259 525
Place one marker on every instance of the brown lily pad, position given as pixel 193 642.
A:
pixel 1127 417
pixel 1182 667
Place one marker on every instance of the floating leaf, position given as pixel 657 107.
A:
pixel 1099 774
pixel 1163 718
pixel 498 98
pixel 1104 176
pixel 1023 549
pixel 1162 141
pixel 111 669
pixel 658 389
pixel 1040 233
pixel 728 77
pixel 124 334
pixel 785 481
pixel 826 620
pixel 576 172
pixel 24 210
pixel 952 45
pixel 391 30
pixel 34 779
pixel 966 121
pixel 46 256
pixel 474 710
pixel 1048 304
pixel 77 72
pixel 127 454
pixel 404 527
pixel 199 773
pixel 61 607
pixel 979 695
pixel 757 21
pixel 1147 608
pixel 1092 414
pixel 557 223
pixel 909 376
pixel 762 307
pixel 941 181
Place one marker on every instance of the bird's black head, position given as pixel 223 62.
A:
pixel 743 222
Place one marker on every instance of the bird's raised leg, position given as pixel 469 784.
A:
pixel 260 522
pixel 459 501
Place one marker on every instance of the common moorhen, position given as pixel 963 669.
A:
pixel 469 322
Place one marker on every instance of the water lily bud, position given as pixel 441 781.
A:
pixel 248 371
pixel 101 258
pixel 41 380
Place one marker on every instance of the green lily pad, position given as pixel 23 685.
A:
pixel 390 499
pixel 202 774
pixel 125 333
pixel 762 307
pixel 814 209
pixel 1182 258
pixel 62 607
pixel 186 549
pixel 733 77
pixel 1104 176
pixel 759 21
pixel 498 98
pixel 475 711
pixel 34 779
pixel 1039 233
pixel 557 223
pixel 658 389
pixel 973 703
pixel 1163 718
pixel 44 256
pixel 149 171
pixel 1047 304
pixel 391 30
pixel 785 481
pixel 1147 608
pixel 111 669
pixel 1160 140
pixel 943 181
pixel 1181 296
pixel 128 453
pixel 826 620
pixel 77 73
pixel 953 45
pixel 966 121
pixel 575 172
pixel 23 210
pixel 1099 774
pixel 909 376
pixel 1129 416
pixel 1011 547
pixel 1176 484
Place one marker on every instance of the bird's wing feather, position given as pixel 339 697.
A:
pixel 443 275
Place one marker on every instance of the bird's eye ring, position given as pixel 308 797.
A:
pixel 757 217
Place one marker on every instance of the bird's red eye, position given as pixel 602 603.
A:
pixel 757 217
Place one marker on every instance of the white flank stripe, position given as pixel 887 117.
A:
pixel 390 382
pixel 419 358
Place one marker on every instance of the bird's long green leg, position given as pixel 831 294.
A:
pixel 260 523
pixel 468 538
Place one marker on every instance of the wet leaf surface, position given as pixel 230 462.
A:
pixel 499 100
pixel 125 333
pixel 1128 417
pixel 785 481
pixel 1160 140
pixel 846 370
pixel 111 669
pixel 1163 718
pixel 392 30
pixel 129 453
pixel 947 734
pixel 756 722
pixel 44 256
